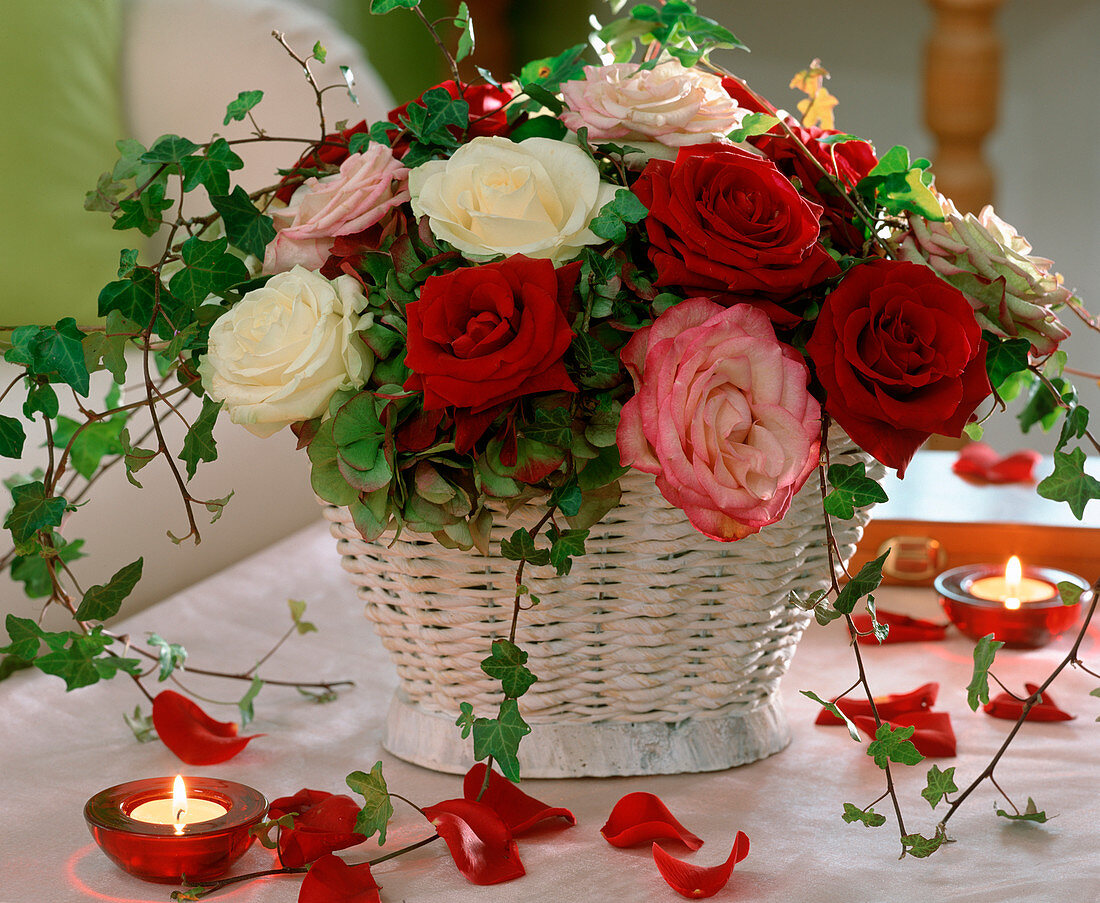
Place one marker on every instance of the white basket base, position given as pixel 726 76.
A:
pixel 600 749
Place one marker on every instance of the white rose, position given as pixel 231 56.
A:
pixel 280 354
pixel 495 197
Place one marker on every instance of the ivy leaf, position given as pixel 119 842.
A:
pixel 134 458
pixel 552 426
pixel 244 706
pixel 1042 407
pixel 377 809
pixel 1070 592
pixel 143 212
pixel 624 209
pixel 852 489
pixel 565 545
pixel 246 227
pixel 521 547
pixel 297 609
pixel 319 53
pixel 199 444
pixel 132 298
pixel 599 369
pixel 212 169
pixel 1074 426
pixel 208 269
pixel 31 569
pixel 1031 813
pixel 753 124
pixel 893 744
pixel 977 691
pixel 169 149
pixel 1004 357
pixel 465 24
pixel 103 602
pixel 141 725
pixel 238 109
pixel 868 816
pixel 833 709
pixel 940 783
pixel 430 121
pixel 381 7
pixel 12 437
pixel 25 638
pixel 500 738
pixel 866 581
pixel 33 511
pixel 55 352
pixel 78 659
pixel 544 98
pixel 551 71
pixel 170 655
pixel 920 847
pixel 508 664
pixel 110 345
pixel 1069 483
pixel 465 719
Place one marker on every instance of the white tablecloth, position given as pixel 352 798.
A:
pixel 60 748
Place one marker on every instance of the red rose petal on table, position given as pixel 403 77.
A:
pixel 903 629
pixel 980 463
pixel 920 699
pixel 323 822
pixel 516 809
pixel 331 880
pixel 191 734
pixel 480 843
pixel 933 737
pixel 640 818
pixel 1003 705
pixel 694 881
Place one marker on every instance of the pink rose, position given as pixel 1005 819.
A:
pixel 667 104
pixel 365 189
pixel 721 415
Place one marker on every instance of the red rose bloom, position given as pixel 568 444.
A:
pixel 727 224
pixel 901 357
pixel 485 101
pixel 481 336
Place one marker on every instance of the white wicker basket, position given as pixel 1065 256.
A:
pixel 660 653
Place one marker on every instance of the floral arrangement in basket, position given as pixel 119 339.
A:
pixel 516 292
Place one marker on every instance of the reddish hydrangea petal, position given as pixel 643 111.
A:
pixel 323 823
pixel 903 629
pixel 191 734
pixel 331 880
pixel 480 843
pixel 918 700
pixel 516 809
pixel 640 818
pixel 1003 705
pixel 934 737
pixel 696 882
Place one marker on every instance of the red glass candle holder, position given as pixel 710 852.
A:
pixel 195 853
pixel 1031 625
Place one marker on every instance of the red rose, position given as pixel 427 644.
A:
pixel 901 357
pixel 745 97
pixel 849 161
pixel 727 224
pixel 481 336
pixel 486 101
pixel 323 822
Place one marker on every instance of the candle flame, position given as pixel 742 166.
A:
pixel 1014 574
pixel 179 802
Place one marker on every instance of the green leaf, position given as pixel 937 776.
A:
pixel 977 691
pixel 212 169
pixel 940 783
pixel 1070 592
pixel 208 269
pixel 521 547
pixel 868 816
pixel 199 443
pixel 169 149
pixel 325 478
pixel 893 745
pixel 1031 813
pixel 1074 426
pixel 753 124
pixel 377 809
pixel 500 738
pixel 465 719
pixel 319 52
pixel 465 24
pixel 544 98
pixel 12 437
pixel 1041 406
pixel 25 638
pixel 1069 483
pixel 78 659
pixel 103 602
pixel 552 426
pixel 56 352
pixel 431 119
pixel 134 458
pixel 246 227
pixel 31 569
pixel 170 655
pixel 832 708
pixel 141 725
pixel 381 7
pixel 238 109
pixel 508 664
pixel 866 581
pixel 852 489
pixel 920 847
pixel 599 368
pixel 110 345
pixel 244 706
pixel 132 298
pixel 33 511
pixel 297 609
pixel 551 71
pixel 564 546
pixel 1004 357
pixel 624 209
pixel 143 212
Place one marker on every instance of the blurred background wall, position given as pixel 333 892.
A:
pixel 176 63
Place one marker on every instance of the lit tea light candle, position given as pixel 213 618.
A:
pixel 178 810
pixel 1013 589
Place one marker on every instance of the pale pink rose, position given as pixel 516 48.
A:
pixel 721 415
pixel 668 104
pixel 365 189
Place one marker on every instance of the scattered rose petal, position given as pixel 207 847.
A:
pixel 516 809
pixel 480 843
pixel 1003 705
pixel 980 463
pixel 640 818
pixel 920 699
pixel 694 881
pixel 903 629
pixel 323 823
pixel 191 734
pixel 331 880
pixel 933 737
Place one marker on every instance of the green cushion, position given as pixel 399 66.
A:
pixel 61 110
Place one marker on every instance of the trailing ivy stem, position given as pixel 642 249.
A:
pixel 1071 657
pixel 1004 793
pixel 215 886
pixel 1077 663
pixel 304 63
pixel 451 62
pixel 519 574
pixel 997 680
pixel 1060 402
pixel 404 850
pixel 12 384
pixel 270 652
pixel 408 802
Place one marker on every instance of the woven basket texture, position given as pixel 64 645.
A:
pixel 654 623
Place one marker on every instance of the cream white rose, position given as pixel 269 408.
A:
pixel 281 353
pixel 495 197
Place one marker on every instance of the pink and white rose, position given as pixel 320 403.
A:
pixel 365 189
pixel 669 104
pixel 721 415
